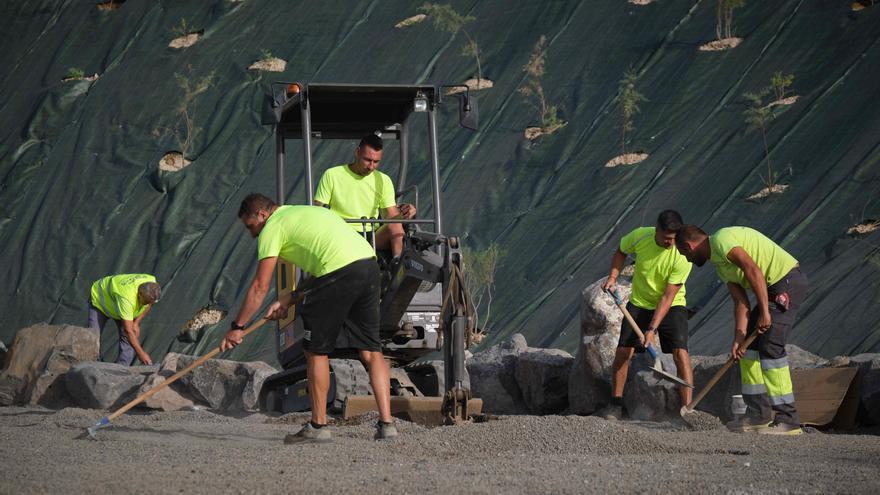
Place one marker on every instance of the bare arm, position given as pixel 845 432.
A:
pixel 253 299
pixel 663 306
pixel 739 257
pixel 128 326
pixel 740 318
pixel 617 262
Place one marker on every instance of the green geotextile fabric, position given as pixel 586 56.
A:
pixel 82 197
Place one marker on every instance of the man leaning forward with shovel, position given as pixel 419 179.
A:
pixel 345 290
pixel 657 303
pixel 746 259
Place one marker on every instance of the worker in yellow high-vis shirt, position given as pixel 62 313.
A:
pixel 746 259
pixel 125 298
pixel 360 190
pixel 657 303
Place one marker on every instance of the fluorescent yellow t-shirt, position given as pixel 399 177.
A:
pixel 312 238
pixel 656 267
pixel 773 261
pixel 117 295
pixel 355 196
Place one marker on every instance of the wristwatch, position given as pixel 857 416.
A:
pixel 236 326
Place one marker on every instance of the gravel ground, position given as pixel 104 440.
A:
pixel 202 452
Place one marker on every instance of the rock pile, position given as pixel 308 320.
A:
pixel 513 378
pixel 39 356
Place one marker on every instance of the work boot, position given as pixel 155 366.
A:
pixel 611 412
pixel 747 424
pixel 309 434
pixel 781 429
pixel 385 431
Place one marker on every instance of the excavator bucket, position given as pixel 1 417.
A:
pixel 422 410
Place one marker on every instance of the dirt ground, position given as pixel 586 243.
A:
pixel 202 452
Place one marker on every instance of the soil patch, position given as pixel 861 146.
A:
pixel 472 85
pixel 93 77
pixel 204 318
pixel 173 161
pixel 767 191
pixel 627 159
pixel 865 227
pixel 411 21
pixel 111 5
pixel 273 64
pixel 789 100
pixel 532 133
pixel 186 40
pixel 722 44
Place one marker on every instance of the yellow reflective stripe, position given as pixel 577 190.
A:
pixel 105 285
pixel 778 382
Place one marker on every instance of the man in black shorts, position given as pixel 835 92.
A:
pixel 344 297
pixel 657 303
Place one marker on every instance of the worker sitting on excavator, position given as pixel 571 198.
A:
pixel 359 190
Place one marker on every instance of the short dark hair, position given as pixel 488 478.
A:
pixel 670 221
pixel 253 203
pixel 689 233
pixel 371 140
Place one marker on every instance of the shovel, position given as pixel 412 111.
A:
pixel 689 409
pixel 658 366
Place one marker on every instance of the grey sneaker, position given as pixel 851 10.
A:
pixel 747 424
pixel 385 431
pixel 781 429
pixel 611 412
pixel 309 434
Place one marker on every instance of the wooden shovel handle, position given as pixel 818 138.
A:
pixel 746 343
pixel 149 393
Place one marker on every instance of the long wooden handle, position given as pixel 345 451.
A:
pixel 149 393
pixel 746 343
pixel 632 322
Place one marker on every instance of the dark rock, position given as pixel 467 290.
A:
pixel 96 385
pixel 542 376
pixel 220 383
pixel 40 355
pixel 799 359
pixel 492 375
pixel 869 364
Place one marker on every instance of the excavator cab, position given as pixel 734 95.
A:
pixel 425 306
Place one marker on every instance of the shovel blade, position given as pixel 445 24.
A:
pixel 670 377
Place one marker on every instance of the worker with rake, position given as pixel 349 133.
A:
pixel 342 296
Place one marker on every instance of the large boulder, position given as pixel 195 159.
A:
pixel 542 376
pixel 493 377
pixel 39 356
pixel 95 385
pixel 169 398
pixel 869 364
pixel 222 384
pixel 589 385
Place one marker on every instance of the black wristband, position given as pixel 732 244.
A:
pixel 236 326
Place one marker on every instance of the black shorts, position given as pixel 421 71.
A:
pixel 344 313
pixel 673 330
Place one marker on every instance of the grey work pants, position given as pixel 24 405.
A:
pixel 97 322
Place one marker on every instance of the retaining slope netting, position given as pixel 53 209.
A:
pixel 82 195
